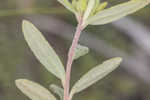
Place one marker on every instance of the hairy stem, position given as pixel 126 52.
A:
pixel 70 59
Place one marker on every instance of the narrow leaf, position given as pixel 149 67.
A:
pixel 95 74
pixel 89 9
pixel 97 3
pixel 81 5
pixel 67 5
pixel 117 12
pixel 33 90
pixel 80 51
pixel 42 50
pixel 57 90
pixel 101 6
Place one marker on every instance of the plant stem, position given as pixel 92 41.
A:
pixel 70 59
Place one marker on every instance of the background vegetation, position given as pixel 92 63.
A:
pixel 128 38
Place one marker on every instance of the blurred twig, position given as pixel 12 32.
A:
pixel 27 11
pixel 139 33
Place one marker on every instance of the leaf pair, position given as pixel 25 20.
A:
pixel 47 56
pixel 44 52
pixel 36 92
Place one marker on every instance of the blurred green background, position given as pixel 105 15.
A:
pixel 128 38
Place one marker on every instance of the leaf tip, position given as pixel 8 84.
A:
pixel 25 21
pixel 19 81
pixel 114 61
pixel 117 60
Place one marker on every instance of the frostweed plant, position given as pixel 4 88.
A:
pixel 87 12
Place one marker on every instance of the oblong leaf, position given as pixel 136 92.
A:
pixel 80 51
pixel 57 90
pixel 42 50
pixel 95 74
pixel 114 13
pixel 33 90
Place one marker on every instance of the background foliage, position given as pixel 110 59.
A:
pixel 129 82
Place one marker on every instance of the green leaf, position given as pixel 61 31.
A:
pixel 80 51
pixel 114 13
pixel 95 74
pixel 42 50
pixel 33 90
pixel 83 5
pixel 101 6
pixel 57 90
pixel 67 5
pixel 97 3
pixel 90 7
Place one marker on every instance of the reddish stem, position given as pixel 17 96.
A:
pixel 70 59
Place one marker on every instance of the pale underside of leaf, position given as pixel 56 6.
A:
pixel 42 50
pixel 95 74
pixel 117 12
pixel 57 90
pixel 33 90
pixel 67 5
pixel 80 51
